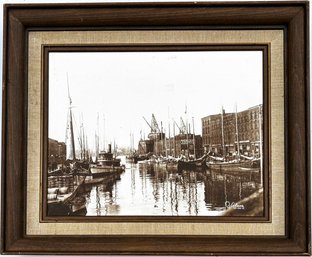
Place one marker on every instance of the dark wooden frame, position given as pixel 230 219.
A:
pixel 292 17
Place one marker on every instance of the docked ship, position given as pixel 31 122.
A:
pixel 192 164
pixel 65 183
pixel 236 165
pixel 106 164
pixel 241 163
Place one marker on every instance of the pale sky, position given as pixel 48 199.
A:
pixel 125 86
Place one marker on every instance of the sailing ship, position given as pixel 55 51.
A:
pixel 187 163
pixel 132 156
pixel 193 164
pixel 235 165
pixel 241 163
pixel 63 188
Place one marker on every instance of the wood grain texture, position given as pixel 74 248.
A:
pixel 14 131
pixel 296 130
pixel 290 16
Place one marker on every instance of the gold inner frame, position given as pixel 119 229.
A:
pixel 274 38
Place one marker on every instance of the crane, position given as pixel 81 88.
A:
pixel 154 125
pixel 175 123
pixel 147 123
pixel 183 128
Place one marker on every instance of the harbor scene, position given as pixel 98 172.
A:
pixel 172 150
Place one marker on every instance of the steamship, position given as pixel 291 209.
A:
pixel 106 164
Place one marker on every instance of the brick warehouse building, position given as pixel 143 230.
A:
pixel 224 142
pixel 56 153
pixel 182 144
pixel 145 146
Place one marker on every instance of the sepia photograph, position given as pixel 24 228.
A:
pixel 155 133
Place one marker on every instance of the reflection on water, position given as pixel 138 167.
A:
pixel 150 189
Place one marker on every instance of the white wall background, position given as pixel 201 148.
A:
pixel 2 2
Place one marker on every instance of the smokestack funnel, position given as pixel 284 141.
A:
pixel 109 148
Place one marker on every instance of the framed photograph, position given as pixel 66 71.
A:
pixel 156 129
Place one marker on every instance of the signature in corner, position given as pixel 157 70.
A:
pixel 233 205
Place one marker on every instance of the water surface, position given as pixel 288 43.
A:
pixel 152 190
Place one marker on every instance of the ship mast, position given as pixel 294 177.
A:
pixel 187 134
pixel 169 140
pixel 174 142
pixel 131 149
pixel 222 132
pixel 115 149
pixel 236 128
pixel 104 146
pixel 166 148
pixel 84 143
pixel 194 138
pixel 87 149
pixel 189 131
pixel 81 139
pixel 70 155
pixel 163 140
pixel 97 139
pixel 260 145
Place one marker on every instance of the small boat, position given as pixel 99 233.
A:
pixel 136 158
pixel 107 164
pixel 248 165
pixel 59 198
pixel 193 164
pixel 78 205
pixel 90 180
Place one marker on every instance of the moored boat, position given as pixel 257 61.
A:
pixel 193 164
pixel 106 164
pixel 90 180
pixel 61 191
pixel 78 205
pixel 247 165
